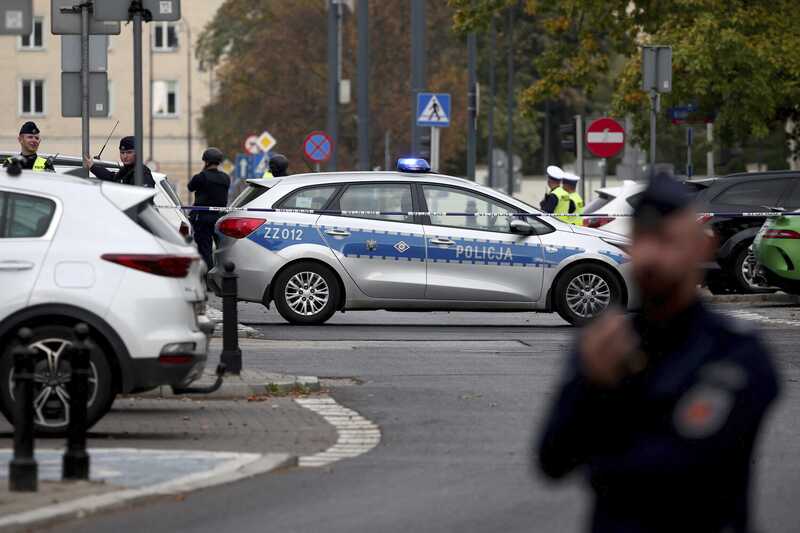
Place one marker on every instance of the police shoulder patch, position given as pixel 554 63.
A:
pixel 702 411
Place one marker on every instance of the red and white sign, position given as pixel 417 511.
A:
pixel 251 144
pixel 605 137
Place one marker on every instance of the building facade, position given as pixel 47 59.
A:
pixel 175 91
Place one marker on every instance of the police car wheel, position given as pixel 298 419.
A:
pixel 51 371
pixel 584 291
pixel 306 293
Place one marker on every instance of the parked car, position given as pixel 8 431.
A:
pixel 736 268
pixel 613 201
pixel 312 265
pixel 167 201
pixel 777 249
pixel 79 250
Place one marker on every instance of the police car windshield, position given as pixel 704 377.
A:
pixel 248 195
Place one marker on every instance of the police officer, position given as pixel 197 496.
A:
pixel 570 184
pixel 278 167
pixel 29 141
pixel 210 188
pixel 125 175
pixel 662 410
pixel 557 199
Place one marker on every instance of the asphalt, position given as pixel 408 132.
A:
pixel 457 397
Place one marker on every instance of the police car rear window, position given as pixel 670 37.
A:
pixel 248 195
pixel 310 198
pixel 598 203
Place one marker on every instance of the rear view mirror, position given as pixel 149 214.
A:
pixel 521 227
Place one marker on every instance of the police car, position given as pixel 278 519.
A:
pixel 412 240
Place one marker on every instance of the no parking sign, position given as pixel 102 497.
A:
pixel 318 147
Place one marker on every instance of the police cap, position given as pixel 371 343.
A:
pixel 127 143
pixel 662 197
pixel 278 165
pixel 213 156
pixel 29 128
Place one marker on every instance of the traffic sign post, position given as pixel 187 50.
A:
pixel 605 137
pixel 318 147
pixel 241 166
pixel 433 111
pixel 251 144
pixel 656 79
pixel 266 141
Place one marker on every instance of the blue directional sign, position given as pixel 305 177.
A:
pixel 241 166
pixel 258 164
pixel 433 110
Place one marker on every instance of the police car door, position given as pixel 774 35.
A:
pixel 384 254
pixel 478 258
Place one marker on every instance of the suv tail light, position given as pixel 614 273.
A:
pixel 702 219
pixel 239 227
pixel 170 266
pixel 781 234
pixel 596 222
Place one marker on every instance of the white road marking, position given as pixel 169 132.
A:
pixel 756 317
pixel 357 435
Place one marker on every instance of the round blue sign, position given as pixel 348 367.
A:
pixel 318 146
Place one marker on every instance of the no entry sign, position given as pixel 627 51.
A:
pixel 605 137
pixel 318 146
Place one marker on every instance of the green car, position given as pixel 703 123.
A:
pixel 777 249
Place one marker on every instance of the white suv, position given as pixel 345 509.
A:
pixel 77 250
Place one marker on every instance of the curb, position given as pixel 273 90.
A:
pixel 777 297
pixel 248 465
pixel 246 385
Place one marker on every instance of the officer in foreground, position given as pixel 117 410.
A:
pixel 663 410
pixel 557 199
pixel 570 184
pixel 29 141
pixel 278 167
pixel 125 175
pixel 210 188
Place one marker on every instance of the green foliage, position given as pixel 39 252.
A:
pixel 736 57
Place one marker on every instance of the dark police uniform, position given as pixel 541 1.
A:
pixel 126 175
pixel 31 161
pixel 670 448
pixel 210 188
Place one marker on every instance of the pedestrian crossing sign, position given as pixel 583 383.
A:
pixel 433 110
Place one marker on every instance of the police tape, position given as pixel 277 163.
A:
pixel 362 213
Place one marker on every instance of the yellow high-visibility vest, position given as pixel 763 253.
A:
pixel 39 164
pixel 562 207
pixel 267 175
pixel 578 201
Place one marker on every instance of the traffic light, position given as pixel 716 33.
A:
pixel 567 136
pixel 424 150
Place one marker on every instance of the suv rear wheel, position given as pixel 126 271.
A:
pixel 306 293
pixel 52 371
pixel 584 291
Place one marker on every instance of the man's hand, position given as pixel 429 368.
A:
pixel 87 162
pixel 606 348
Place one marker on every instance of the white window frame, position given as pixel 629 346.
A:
pixel 177 112
pixel 110 98
pixel 32 47
pixel 165 32
pixel 20 89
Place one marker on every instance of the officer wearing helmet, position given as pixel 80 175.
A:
pixel 210 188
pixel 126 174
pixel 278 167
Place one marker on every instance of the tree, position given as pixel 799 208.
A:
pixel 269 58
pixel 735 57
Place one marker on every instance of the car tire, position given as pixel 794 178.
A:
pixel 743 262
pixel 577 307
pixel 52 420
pixel 306 293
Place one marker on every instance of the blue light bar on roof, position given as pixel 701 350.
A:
pixel 413 164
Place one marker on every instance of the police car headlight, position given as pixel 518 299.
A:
pixel 622 244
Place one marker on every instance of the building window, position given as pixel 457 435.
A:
pixel 165 98
pixel 34 41
pixel 31 97
pixel 165 36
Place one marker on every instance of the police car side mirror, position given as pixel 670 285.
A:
pixel 521 227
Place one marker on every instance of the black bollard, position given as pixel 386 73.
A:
pixel 75 464
pixel 231 355
pixel 23 472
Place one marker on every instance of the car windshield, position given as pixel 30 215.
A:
pixel 169 190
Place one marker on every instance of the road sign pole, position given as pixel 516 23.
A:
pixel 435 147
pixel 710 153
pixel 85 82
pixel 333 75
pixel 579 151
pixel 510 101
pixel 417 65
pixel 492 94
pixel 653 117
pixel 689 136
pixel 363 85
pixel 138 91
pixel 472 104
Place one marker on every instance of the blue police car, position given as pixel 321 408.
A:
pixel 316 243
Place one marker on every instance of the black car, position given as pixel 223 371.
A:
pixel 736 269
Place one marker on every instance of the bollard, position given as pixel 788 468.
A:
pixel 23 472
pixel 75 463
pixel 231 355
